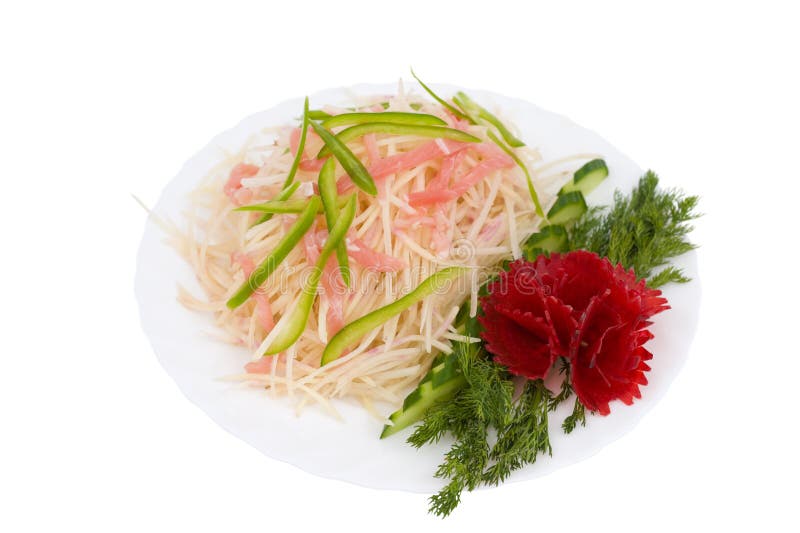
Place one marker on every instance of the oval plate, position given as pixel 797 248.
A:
pixel 351 451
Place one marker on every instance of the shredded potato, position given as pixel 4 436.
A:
pixel 479 228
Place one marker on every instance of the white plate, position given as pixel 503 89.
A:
pixel 351 451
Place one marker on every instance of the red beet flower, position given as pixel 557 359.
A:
pixel 578 306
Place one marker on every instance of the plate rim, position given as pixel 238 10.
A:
pixel 654 396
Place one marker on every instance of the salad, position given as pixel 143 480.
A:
pixel 412 253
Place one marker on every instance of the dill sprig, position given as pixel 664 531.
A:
pixel 578 416
pixel 485 402
pixel 524 436
pixel 566 385
pixel 641 231
pixel 486 397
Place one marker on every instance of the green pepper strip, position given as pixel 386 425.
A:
pixel 287 206
pixel 295 164
pixel 439 132
pixel 284 195
pixel 293 323
pixel 329 194
pixel 278 254
pixel 300 147
pixel 351 164
pixel 428 90
pixel 475 111
pixel 518 161
pixel 318 114
pixel 352 332
pixel 419 119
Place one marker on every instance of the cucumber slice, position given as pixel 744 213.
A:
pixel 441 383
pixel 587 178
pixel 567 208
pixel 420 400
pixel 438 359
pixel 436 367
pixel 423 390
pixel 448 371
pixel 552 238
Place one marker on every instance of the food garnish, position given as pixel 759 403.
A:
pixel 583 314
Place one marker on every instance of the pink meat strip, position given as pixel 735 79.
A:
pixel 372 260
pixel 440 182
pixel 233 187
pixel 332 282
pixel 242 196
pixel 310 245
pixel 431 197
pixel 400 162
pixel 413 158
pixel 414 220
pixel 309 164
pixel 312 165
pixel 264 365
pixel 294 141
pixel 263 308
pixel 358 250
pixel 440 237
pixel 494 159
pixel 244 261
pixel 449 165
pixel 371 144
pixel 481 170
pixel 334 288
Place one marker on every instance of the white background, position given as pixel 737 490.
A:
pixel 100 100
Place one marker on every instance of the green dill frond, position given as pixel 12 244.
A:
pixel 443 502
pixel 485 402
pixel 566 386
pixel 578 416
pixel 436 422
pixel 667 275
pixel 641 231
pixel 524 437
